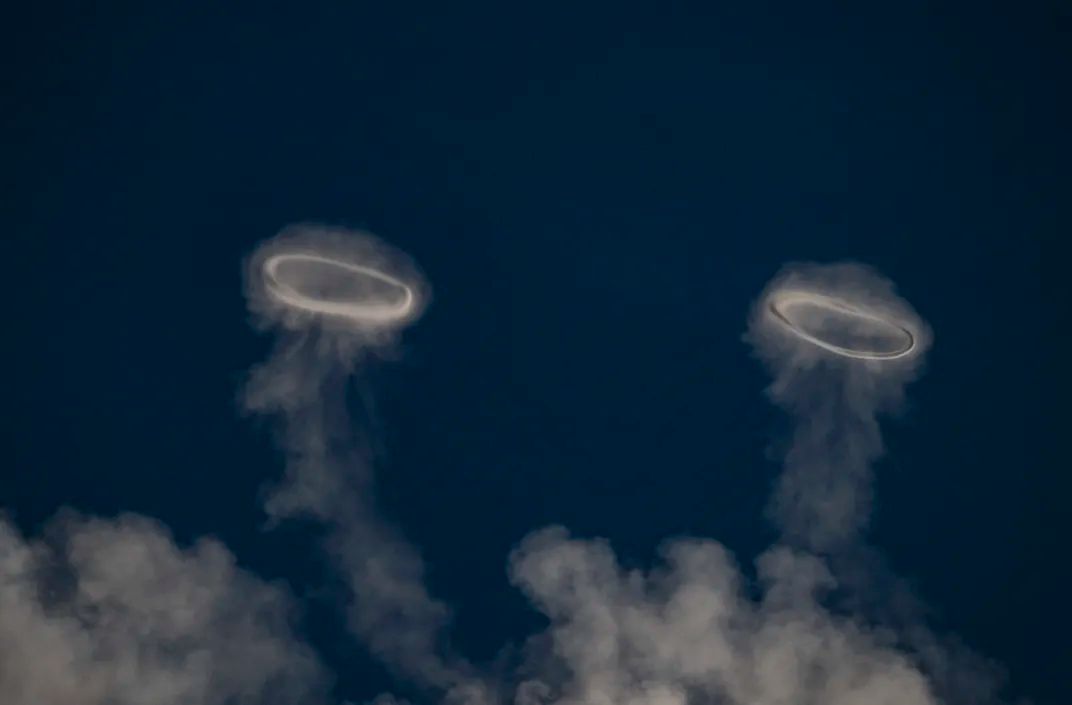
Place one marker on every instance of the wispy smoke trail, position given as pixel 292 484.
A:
pixel 323 338
pixel 823 498
pixel 114 613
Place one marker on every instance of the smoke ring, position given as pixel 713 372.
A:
pixel 383 314
pixel 780 301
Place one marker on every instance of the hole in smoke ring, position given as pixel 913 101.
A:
pixel 841 327
pixel 331 287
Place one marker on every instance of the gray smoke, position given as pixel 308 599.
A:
pixel 823 497
pixel 112 612
pixel 303 385
pixel 690 631
pixel 695 628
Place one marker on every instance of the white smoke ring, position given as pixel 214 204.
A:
pixel 382 290
pixel 780 302
pixel 363 313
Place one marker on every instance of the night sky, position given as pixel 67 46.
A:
pixel 596 196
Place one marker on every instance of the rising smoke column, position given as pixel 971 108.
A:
pixel 841 346
pixel 334 298
pixel 696 629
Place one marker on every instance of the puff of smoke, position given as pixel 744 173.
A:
pixel 689 632
pixel 824 494
pixel 328 474
pixel 114 613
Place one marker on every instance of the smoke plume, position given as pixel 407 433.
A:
pixel 823 498
pixel 323 337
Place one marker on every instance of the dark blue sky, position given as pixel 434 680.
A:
pixel 596 196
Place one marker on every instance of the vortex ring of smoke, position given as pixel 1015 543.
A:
pixel 368 313
pixel 782 300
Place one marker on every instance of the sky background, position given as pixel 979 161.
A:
pixel 596 196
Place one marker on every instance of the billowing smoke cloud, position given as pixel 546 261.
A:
pixel 336 298
pixel 841 346
pixel 691 632
pixel 112 612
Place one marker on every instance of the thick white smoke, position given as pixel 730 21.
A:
pixel 112 612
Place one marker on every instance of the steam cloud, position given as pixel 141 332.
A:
pixel 117 608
